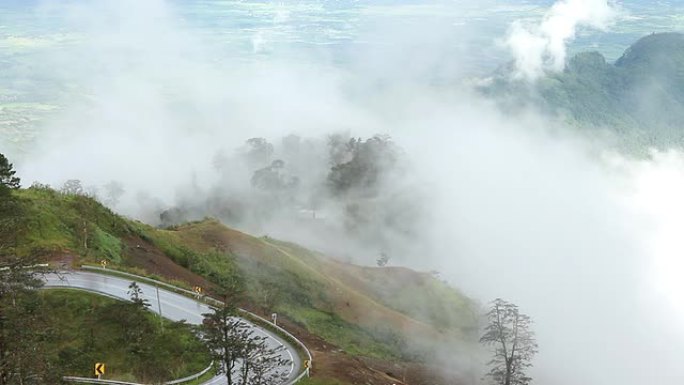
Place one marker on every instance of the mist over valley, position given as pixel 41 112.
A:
pixel 530 151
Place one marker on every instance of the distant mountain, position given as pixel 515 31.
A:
pixel 640 96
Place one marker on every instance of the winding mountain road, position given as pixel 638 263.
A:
pixel 175 307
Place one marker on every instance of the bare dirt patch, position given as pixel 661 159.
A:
pixel 142 254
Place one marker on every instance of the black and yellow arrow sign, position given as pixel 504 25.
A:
pixel 99 369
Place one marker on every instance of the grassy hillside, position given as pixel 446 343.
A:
pixel 357 308
pixel 56 223
pixel 387 313
pixel 87 328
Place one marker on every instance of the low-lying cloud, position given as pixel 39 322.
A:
pixel 577 236
pixel 541 46
pixel 582 238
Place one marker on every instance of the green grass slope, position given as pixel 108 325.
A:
pixel 389 313
pixel 88 328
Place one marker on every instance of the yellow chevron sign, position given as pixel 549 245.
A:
pixel 99 369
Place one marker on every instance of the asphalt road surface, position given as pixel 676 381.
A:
pixel 174 306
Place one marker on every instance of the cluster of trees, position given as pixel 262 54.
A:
pixel 152 347
pixel 272 178
pixel 359 165
pixel 23 330
pixel 140 336
pixel 355 188
pixel 354 164
pixel 244 357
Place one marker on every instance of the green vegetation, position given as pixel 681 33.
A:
pixel 215 264
pixel 8 178
pixel 374 312
pixel 343 304
pixel 275 281
pixel 87 328
pixel 106 245
pixel 352 338
pixel 640 97
pixel 58 222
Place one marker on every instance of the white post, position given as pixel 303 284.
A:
pixel 161 319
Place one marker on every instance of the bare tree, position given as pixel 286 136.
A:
pixel 261 364
pixel 383 260
pixel 258 152
pixel 223 332
pixel 245 357
pixel 113 193
pixel 225 335
pixel 267 296
pixel 508 332
pixel 72 187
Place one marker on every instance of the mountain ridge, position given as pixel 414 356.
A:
pixel 639 98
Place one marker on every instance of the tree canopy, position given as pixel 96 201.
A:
pixel 359 165
pixel 8 176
